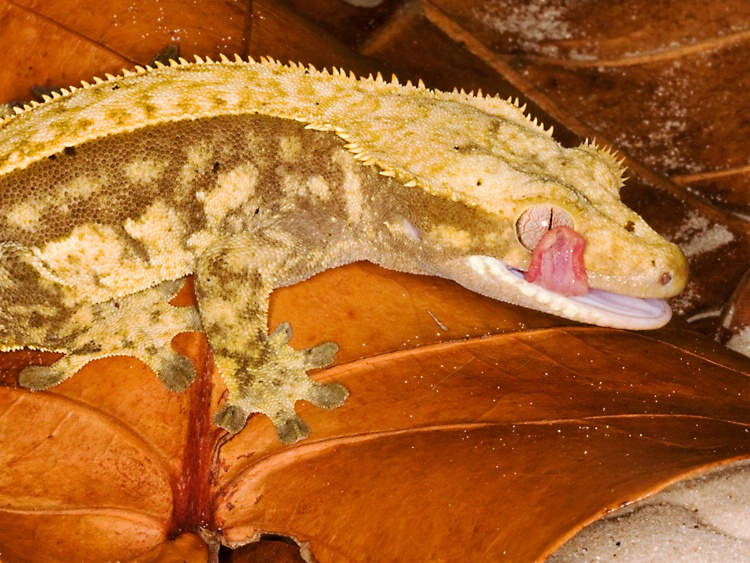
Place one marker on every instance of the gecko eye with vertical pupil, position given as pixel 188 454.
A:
pixel 535 221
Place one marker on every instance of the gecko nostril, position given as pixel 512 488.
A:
pixel 666 277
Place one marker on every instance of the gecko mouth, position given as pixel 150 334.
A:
pixel 649 313
pixel 556 282
pixel 597 306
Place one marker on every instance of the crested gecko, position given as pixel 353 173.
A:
pixel 256 175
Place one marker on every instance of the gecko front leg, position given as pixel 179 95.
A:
pixel 41 312
pixel 140 325
pixel 262 372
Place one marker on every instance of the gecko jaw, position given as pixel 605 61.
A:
pixel 599 307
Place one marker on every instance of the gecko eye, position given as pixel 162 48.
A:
pixel 535 221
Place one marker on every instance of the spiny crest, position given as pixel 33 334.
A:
pixel 512 109
pixel 487 103
pixel 609 155
pixel 508 109
pixel 492 104
pixel 359 154
pixel 71 90
pixel 108 77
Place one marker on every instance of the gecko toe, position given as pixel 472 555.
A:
pixel 291 429
pixel 328 395
pixel 38 378
pixel 175 370
pixel 321 356
pixel 231 418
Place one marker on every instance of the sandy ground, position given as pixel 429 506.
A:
pixel 703 519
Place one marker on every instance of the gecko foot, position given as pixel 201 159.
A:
pixel 273 387
pixel 141 325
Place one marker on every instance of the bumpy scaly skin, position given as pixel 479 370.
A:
pixel 253 176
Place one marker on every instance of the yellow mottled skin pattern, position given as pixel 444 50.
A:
pixel 253 176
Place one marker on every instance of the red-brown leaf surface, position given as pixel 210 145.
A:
pixel 475 429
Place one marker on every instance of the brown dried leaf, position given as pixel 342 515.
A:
pixel 461 448
pixel 451 446
pixel 186 548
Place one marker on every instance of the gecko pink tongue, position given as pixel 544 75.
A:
pixel 557 262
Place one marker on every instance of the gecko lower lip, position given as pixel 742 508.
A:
pixel 625 305
pixel 493 278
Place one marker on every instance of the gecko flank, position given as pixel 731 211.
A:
pixel 252 176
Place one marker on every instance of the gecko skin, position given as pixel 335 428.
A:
pixel 253 176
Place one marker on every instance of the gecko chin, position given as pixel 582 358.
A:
pixel 491 277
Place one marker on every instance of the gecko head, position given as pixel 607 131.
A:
pixel 564 243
